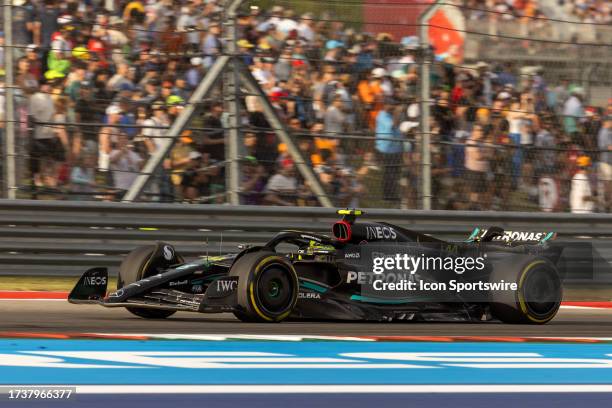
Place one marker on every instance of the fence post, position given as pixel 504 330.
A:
pixel 10 183
pixel 232 99
pixel 425 94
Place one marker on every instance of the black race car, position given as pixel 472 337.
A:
pixel 371 271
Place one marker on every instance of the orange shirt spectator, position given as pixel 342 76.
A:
pixel 371 94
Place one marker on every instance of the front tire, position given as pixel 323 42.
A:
pixel 138 264
pixel 538 295
pixel 267 287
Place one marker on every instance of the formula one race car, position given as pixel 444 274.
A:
pixel 370 271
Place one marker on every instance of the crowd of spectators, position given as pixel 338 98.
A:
pixel 587 11
pixel 590 11
pixel 101 82
pixel 505 10
pixel 569 21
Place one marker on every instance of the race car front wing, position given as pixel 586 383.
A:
pixel 154 292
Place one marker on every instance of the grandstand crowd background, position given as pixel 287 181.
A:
pixel 98 82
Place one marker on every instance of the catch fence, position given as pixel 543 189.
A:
pixel 504 130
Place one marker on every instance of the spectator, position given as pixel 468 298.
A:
pixel 573 113
pixel 477 165
pixel 444 116
pixel 34 61
pixel 604 140
pixel 196 72
pixel 253 182
pixel 389 149
pixel 194 182
pixel 124 163
pixel 106 138
pixel 82 177
pixel 282 188
pixel 45 143
pixel 546 154
pixel 306 27
pixel 85 111
pixel 25 25
pixel 154 127
pixel 48 15
pixel 187 23
pixel 581 196
pixel 347 189
pixel 76 77
pixel 548 191
pixel 180 159
pixel 25 80
pixel 211 46
pixel 120 79
pixel 371 95
pixel 62 148
pixel 335 118
pixel 213 142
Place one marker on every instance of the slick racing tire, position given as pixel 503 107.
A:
pixel 140 263
pixel 538 295
pixel 267 287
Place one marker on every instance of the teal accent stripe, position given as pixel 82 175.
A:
pixel 313 286
pixel 547 237
pixel 474 234
pixel 376 300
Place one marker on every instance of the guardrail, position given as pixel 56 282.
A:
pixel 66 237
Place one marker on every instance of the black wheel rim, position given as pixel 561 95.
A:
pixel 542 291
pixel 275 289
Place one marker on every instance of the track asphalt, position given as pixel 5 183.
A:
pixel 49 317
pixel 59 316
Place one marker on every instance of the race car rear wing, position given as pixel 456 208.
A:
pixel 500 235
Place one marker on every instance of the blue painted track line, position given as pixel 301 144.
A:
pixel 37 361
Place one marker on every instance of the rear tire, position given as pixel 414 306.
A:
pixel 137 265
pixel 539 293
pixel 267 287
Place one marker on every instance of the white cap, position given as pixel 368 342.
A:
pixel 355 49
pixel 379 72
pixel 407 126
pixel 413 110
pixel 64 19
pixel 194 155
pixel 113 110
pixel 196 61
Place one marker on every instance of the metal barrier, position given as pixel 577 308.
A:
pixel 64 238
